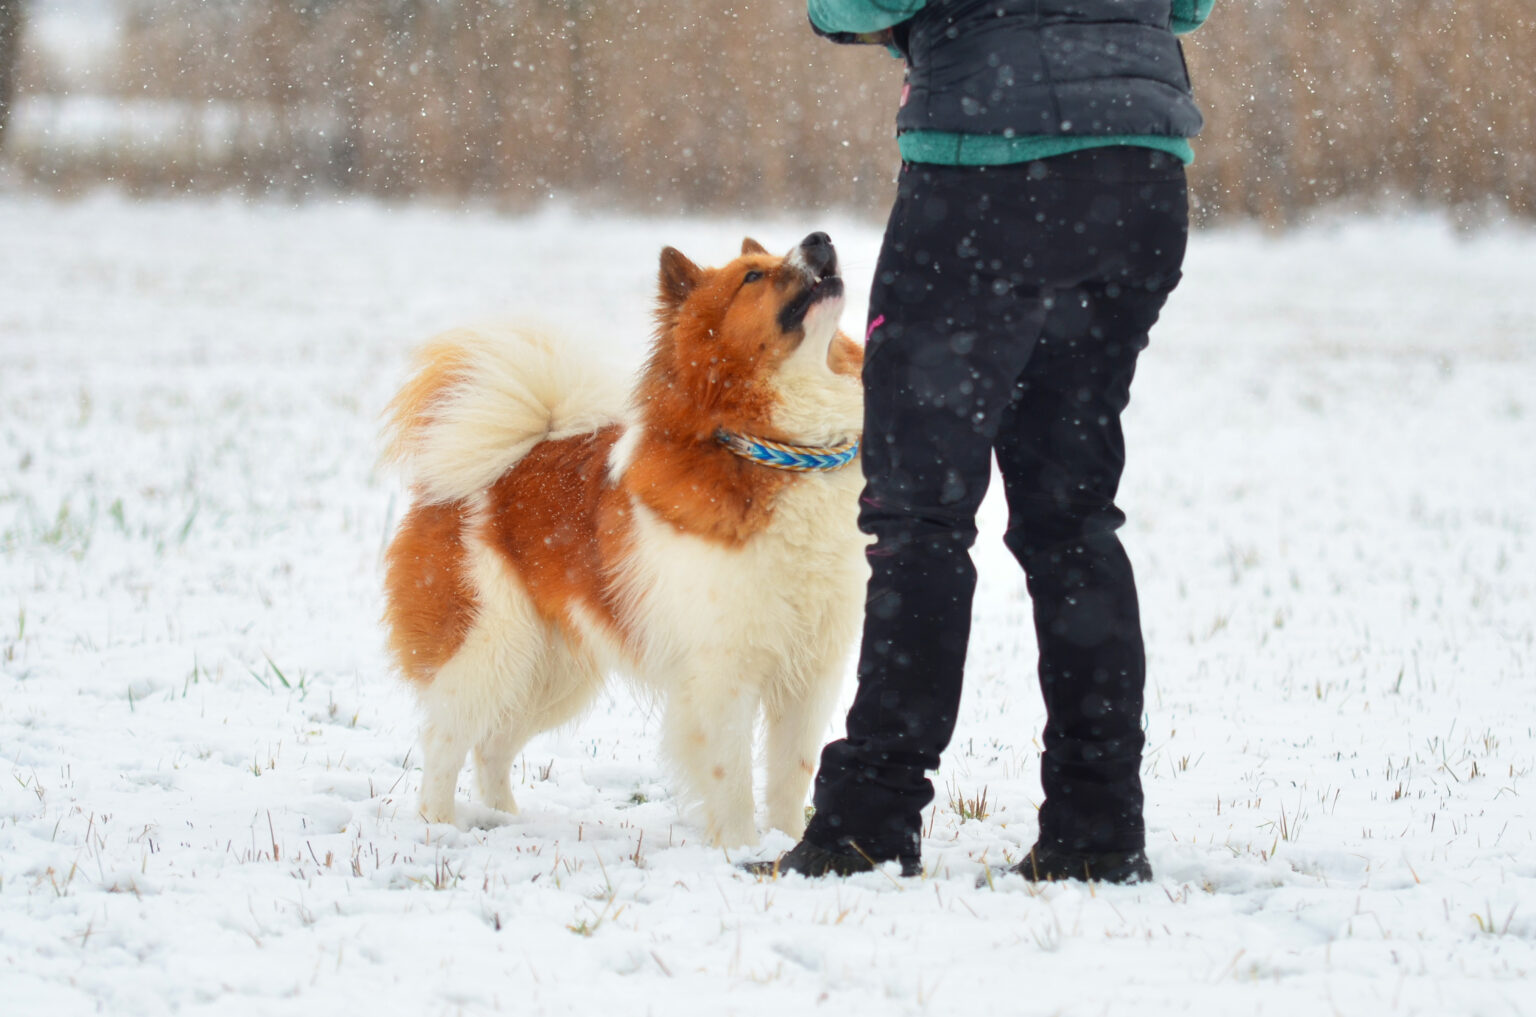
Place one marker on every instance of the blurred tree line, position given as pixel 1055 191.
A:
pixel 688 104
pixel 10 47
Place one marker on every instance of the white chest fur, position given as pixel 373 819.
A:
pixel 771 610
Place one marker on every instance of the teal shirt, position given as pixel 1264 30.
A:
pixel 861 16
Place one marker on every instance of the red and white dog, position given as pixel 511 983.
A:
pixel 700 536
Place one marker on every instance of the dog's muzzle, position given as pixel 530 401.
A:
pixel 819 256
pixel 816 261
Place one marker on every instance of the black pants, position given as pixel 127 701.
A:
pixel 1008 309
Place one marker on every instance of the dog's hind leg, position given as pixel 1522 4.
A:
pixel 443 750
pixel 561 688
pixel 708 733
pixel 493 766
pixel 796 729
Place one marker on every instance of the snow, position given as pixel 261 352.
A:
pixel 207 775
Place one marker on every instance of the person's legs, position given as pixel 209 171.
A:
pixel 938 376
pixel 1061 452
pixel 977 265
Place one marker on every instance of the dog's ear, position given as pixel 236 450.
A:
pixel 750 246
pixel 678 277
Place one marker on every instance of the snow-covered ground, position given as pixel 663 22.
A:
pixel 207 776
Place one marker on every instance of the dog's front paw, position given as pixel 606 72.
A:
pixel 499 800
pixel 484 817
pixel 437 813
pixel 791 821
pixel 733 835
pixel 468 816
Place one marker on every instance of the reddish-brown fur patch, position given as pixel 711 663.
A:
pixel 845 356
pixel 429 605
pixel 703 490
pixel 559 523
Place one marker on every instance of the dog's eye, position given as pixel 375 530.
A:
pixel 752 276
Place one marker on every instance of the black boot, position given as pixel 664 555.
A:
pixel 813 862
pixel 1047 864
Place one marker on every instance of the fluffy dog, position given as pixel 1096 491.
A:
pixel 699 536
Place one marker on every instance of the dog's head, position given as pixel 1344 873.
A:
pixel 754 347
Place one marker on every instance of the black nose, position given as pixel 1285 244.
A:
pixel 820 256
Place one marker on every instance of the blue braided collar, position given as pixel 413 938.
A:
pixel 797 458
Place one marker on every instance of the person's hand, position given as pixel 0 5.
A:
pixel 884 37
pixel 893 38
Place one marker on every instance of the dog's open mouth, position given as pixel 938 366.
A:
pixel 826 287
pixel 792 317
pixel 825 284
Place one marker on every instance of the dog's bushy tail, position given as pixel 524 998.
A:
pixel 481 398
